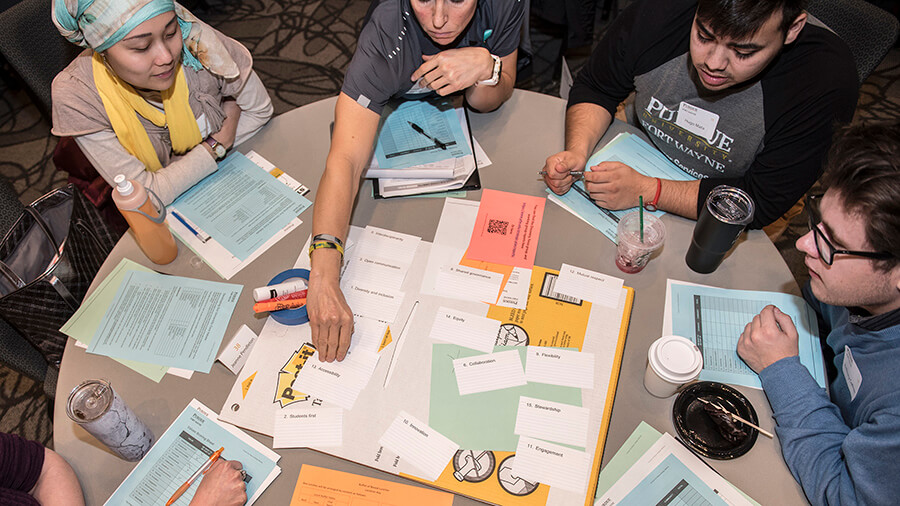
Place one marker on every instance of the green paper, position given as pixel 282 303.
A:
pixel 486 420
pixel 83 325
pixel 632 449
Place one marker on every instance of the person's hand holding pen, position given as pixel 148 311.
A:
pixel 223 485
pixel 558 170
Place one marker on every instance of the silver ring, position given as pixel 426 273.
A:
pixel 243 474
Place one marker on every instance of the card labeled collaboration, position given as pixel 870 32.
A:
pixel 491 371
pixel 551 464
pixel 419 445
pixel 556 366
pixel 552 421
pixel 588 285
pixel 320 427
pixel 465 329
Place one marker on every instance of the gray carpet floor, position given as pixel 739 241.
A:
pixel 301 49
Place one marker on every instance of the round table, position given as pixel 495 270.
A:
pixel 517 137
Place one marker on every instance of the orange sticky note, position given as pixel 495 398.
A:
pixel 317 485
pixel 507 229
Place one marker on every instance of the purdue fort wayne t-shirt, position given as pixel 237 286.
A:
pixel 392 43
pixel 772 132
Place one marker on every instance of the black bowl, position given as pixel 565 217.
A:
pixel 696 428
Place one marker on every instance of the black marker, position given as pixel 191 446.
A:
pixel 417 128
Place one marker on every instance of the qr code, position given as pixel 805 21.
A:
pixel 498 227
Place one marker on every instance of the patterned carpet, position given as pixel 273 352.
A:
pixel 301 49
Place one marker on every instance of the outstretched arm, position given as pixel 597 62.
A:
pixel 330 318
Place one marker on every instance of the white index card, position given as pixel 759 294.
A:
pixel 491 371
pixel 337 382
pixel 419 445
pixel 552 421
pixel 467 283
pixel 552 464
pixel 383 243
pixel 556 366
pixel 465 329
pixel 591 286
pixel 373 301
pixel 309 428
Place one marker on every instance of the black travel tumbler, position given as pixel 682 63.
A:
pixel 727 211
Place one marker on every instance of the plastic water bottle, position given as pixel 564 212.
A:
pixel 146 219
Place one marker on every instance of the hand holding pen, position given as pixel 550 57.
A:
pixel 563 169
pixel 223 483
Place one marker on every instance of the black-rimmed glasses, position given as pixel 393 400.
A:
pixel 826 250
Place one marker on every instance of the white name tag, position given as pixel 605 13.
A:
pixel 851 373
pixel 696 120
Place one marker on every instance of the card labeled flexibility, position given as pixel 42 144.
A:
pixel 556 366
pixel 309 427
pixel 552 421
pixel 420 445
pixel 467 283
pixel 588 285
pixel 491 371
pixel 465 329
pixel 552 464
pixel 337 382
pixel 507 229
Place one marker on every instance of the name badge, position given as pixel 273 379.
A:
pixel 851 373
pixel 697 121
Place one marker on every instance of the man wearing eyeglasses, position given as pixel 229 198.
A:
pixel 843 446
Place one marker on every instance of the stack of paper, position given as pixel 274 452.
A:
pixel 424 146
pixel 235 214
pixel 152 322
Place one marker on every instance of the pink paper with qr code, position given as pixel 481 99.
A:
pixel 507 229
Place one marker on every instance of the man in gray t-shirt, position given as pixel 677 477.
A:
pixel 737 92
pixel 407 48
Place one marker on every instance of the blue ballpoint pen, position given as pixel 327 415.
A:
pixel 199 234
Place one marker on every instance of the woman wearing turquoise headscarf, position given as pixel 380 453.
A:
pixel 158 95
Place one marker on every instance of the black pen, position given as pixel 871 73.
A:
pixel 417 128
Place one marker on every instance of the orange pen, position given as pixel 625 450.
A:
pixel 205 467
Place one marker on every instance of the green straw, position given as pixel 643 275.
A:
pixel 641 211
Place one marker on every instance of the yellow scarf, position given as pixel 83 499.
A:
pixel 121 102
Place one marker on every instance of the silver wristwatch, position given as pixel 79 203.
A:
pixel 217 147
pixel 495 74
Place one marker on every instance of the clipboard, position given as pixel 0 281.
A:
pixel 473 183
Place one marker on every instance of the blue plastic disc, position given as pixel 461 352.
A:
pixel 296 316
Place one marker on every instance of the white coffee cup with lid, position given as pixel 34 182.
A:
pixel 672 361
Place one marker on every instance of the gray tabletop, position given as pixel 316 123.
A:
pixel 518 137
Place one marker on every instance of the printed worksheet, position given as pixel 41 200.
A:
pixel 166 320
pixel 714 319
pixel 185 446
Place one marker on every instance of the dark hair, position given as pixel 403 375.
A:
pixel 739 19
pixel 863 168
